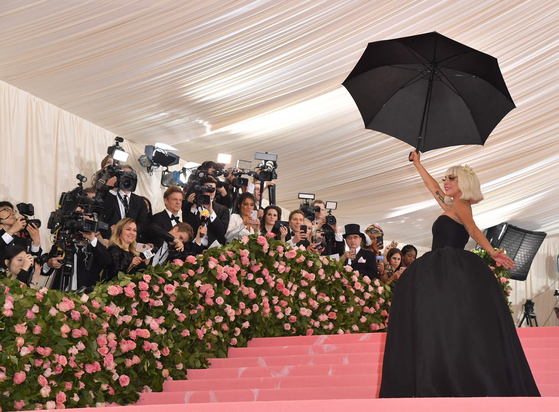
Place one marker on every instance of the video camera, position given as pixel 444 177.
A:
pixel 67 221
pixel 267 169
pixel 306 207
pixel 126 181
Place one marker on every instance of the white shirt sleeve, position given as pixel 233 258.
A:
pixel 236 228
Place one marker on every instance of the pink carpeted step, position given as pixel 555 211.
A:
pixel 305 350
pixel 306 381
pixel 541 353
pixel 543 332
pixel 334 358
pixel 547 404
pixel 273 382
pixel 318 340
pixel 251 395
pixel 540 342
pixel 544 365
pixel 278 371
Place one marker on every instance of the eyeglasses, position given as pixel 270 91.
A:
pixel 7 209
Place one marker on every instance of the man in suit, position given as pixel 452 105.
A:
pixel 119 203
pixel 168 218
pixel 176 243
pixel 218 219
pixel 81 269
pixel 358 258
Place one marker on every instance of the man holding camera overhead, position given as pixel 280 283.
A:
pixel 200 209
pixel 17 231
pixel 121 202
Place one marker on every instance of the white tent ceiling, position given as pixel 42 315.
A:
pixel 237 77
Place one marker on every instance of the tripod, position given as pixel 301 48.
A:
pixel 529 314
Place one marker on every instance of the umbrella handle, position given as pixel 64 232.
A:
pixel 409 156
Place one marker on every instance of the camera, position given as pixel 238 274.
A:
pixel 126 181
pixel 306 207
pixel 330 219
pixel 26 210
pixel 201 198
pixel 67 221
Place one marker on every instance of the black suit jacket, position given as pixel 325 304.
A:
pixel 216 229
pixel 367 266
pixel 19 241
pixel 137 211
pixel 87 275
pixel 163 220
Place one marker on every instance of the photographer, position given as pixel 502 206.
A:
pixel 120 202
pixel 325 231
pixel 174 244
pixel 195 214
pixel 17 264
pixel 298 233
pixel 244 220
pixel 80 269
pixel 15 230
pixel 358 258
pixel 272 214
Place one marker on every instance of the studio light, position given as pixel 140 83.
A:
pixel 169 178
pixel 117 152
pixel 224 158
pixel 158 155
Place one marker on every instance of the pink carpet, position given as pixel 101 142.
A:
pixel 338 373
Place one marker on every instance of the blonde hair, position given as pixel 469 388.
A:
pixel 468 183
pixel 115 237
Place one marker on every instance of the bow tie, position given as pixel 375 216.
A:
pixel 176 219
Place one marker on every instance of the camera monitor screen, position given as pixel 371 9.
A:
pixel 244 164
pixel 266 156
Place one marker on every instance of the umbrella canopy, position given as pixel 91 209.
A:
pixel 429 91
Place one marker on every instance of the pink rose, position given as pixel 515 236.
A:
pixel 20 404
pixel 60 397
pixel 19 377
pixel 29 314
pixel 169 289
pixel 219 300
pixel 42 380
pixel 185 333
pixel 233 341
pixel 261 240
pixel 191 259
pixel 124 380
pixel 309 332
pixel 113 290
pixel 65 328
pixel 178 262
pixel 21 328
pixel 503 279
pixel 291 254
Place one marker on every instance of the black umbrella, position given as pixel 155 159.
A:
pixel 429 91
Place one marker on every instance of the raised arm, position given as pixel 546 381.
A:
pixel 462 210
pixel 431 183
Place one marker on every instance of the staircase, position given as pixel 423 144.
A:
pixel 325 371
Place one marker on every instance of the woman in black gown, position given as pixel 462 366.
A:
pixel 451 332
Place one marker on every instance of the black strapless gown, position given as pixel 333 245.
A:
pixel 450 331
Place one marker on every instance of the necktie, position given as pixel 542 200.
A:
pixel 124 200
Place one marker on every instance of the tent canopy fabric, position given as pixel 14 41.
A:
pixel 242 76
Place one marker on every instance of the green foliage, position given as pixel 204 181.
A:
pixel 502 274
pixel 128 336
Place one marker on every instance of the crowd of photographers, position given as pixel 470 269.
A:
pixel 107 228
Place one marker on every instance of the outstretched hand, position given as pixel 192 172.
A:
pixel 503 259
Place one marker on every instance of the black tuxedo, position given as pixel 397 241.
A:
pixel 163 220
pixel 305 242
pixel 88 275
pixel 367 266
pixel 216 229
pixel 137 211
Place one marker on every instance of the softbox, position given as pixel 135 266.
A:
pixel 520 244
